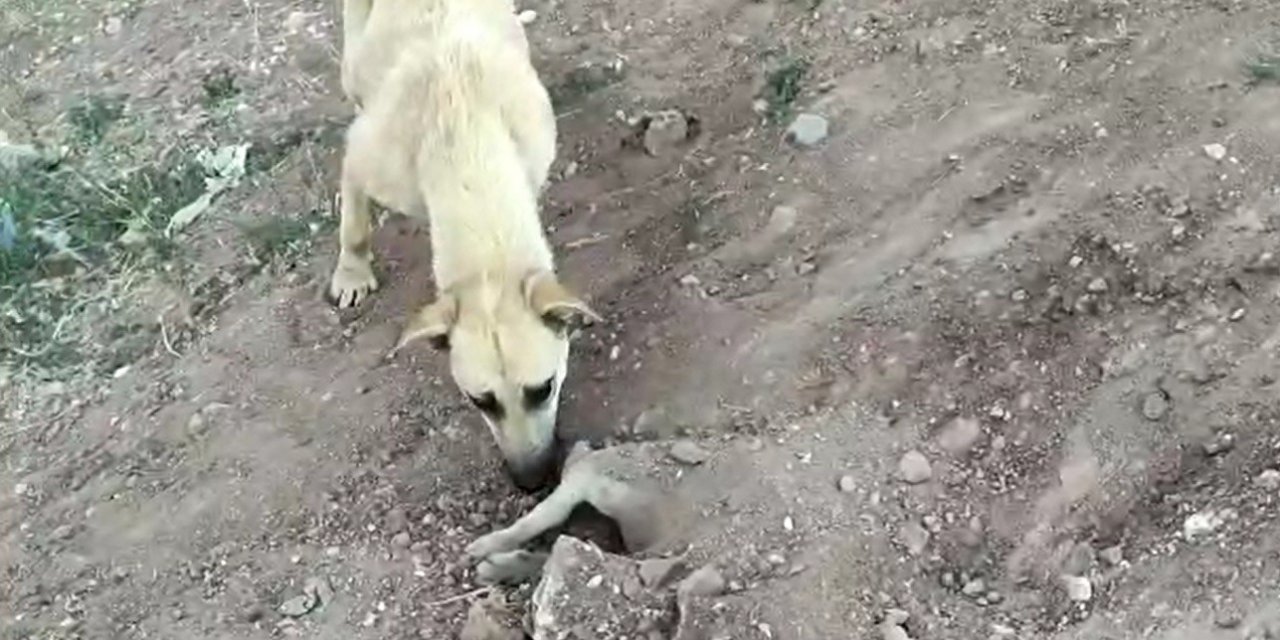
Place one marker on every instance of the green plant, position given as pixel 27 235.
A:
pixel 783 86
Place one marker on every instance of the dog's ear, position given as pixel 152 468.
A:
pixel 432 322
pixel 555 304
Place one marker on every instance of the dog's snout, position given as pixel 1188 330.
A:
pixel 534 471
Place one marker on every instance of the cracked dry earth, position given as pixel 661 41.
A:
pixel 993 355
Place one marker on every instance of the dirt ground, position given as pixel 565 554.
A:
pixel 1000 351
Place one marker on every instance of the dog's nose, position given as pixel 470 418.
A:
pixel 534 472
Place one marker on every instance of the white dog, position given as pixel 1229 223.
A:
pixel 453 121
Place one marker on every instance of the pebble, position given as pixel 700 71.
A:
pixel 705 582
pixel 686 452
pixel 1198 525
pixel 893 632
pixel 896 617
pixel 1215 151
pixel 297 606
pixel 846 484
pixel 113 25
pixel 1112 555
pixel 914 537
pixel 401 540
pixel 1268 479
pixel 974 588
pixel 527 16
pixel 1155 405
pixel 1079 589
pixel 1220 444
pixel 656 571
pixel 666 130
pixel 914 468
pixel 959 436
pixel 1097 285
pixel 808 130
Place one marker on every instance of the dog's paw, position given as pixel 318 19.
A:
pixel 491 543
pixel 352 282
pixel 512 567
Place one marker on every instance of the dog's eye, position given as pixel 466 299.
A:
pixel 537 396
pixel 487 403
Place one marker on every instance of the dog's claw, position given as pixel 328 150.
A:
pixel 352 282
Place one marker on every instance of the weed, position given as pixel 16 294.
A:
pixel 1264 64
pixel 783 86
pixel 92 117
pixel 219 87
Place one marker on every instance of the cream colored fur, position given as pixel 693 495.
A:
pixel 454 125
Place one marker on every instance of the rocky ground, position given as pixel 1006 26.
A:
pixel 972 306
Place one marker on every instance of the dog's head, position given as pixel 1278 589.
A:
pixel 508 345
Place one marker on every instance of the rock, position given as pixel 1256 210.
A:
pixel 1078 589
pixel 401 540
pixel 563 602
pixel 1220 443
pixel 1097 285
pixel 395 521
pixel 113 25
pixel 781 220
pixel 1201 524
pixel 1215 151
pixel 974 588
pixel 686 452
pixel 914 537
pixel 655 572
pixel 914 468
pixel 664 131
pixel 298 606
pixel 846 484
pixel 527 16
pixel 1155 406
pixel 808 130
pixel 1079 560
pixel 893 632
pixel 1113 556
pixel 896 617
pixel 959 435
pixel 1269 480
pixel 491 618
pixel 14 157
pixel 705 582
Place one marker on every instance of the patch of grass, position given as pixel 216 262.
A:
pixel 583 81
pixel 783 86
pixel 67 232
pixel 92 117
pixel 1264 68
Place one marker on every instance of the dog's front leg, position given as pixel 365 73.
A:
pixel 549 513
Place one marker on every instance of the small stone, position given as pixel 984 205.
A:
pixel 1237 315
pixel 1155 405
pixel 401 540
pixel 846 484
pixel 690 280
pixel 113 25
pixel 1097 285
pixel 686 452
pixel 705 582
pixel 1220 444
pixel 395 521
pixel 1019 295
pixel 664 131
pixel 1228 618
pixel 893 632
pixel 914 537
pixel 1269 479
pixel 297 607
pixel 808 130
pixel 974 588
pixel 1079 589
pixel 896 617
pixel 994 597
pixel 62 532
pixel 1215 151
pixel 1201 524
pixel 656 571
pixel 1113 556
pixel 527 16
pixel 914 468
pixel 959 436
pixel 781 220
